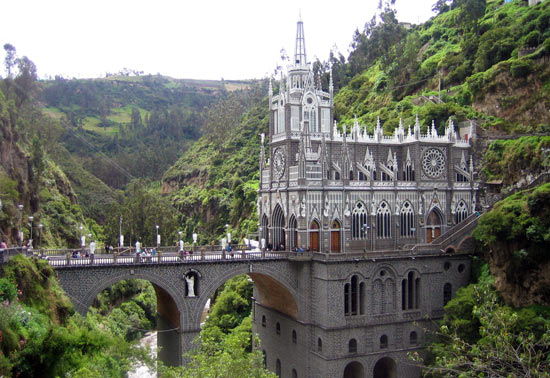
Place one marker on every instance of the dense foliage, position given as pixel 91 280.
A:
pixel 516 240
pixel 480 336
pixel 127 309
pixel 41 336
pixel 226 338
pixel 471 49
pixel 510 160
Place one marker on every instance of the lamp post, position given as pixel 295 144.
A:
pixel 158 236
pixel 31 218
pixel 40 225
pixel 228 234
pixel 120 239
pixel 82 239
pixel 20 233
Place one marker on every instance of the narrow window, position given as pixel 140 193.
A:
pixel 346 299
pixel 263 320
pixel 278 328
pixel 294 373
pixel 354 295
pixel 362 298
pixel 352 346
pixel 319 345
pixel 413 338
pixel 404 294
pixel 294 336
pixel 447 293
pixel 278 368
pixel 383 342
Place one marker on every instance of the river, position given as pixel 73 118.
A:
pixel 142 371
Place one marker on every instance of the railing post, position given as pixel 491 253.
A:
pixel 243 255
pixel 263 253
pixel 159 253
pixel 114 257
pixel 223 254
pixel 203 253
pixel 68 258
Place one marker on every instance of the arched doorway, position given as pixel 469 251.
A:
pixel 314 236
pixel 292 233
pixel 335 237
pixel 278 222
pixel 433 226
pixel 354 370
pixel 385 368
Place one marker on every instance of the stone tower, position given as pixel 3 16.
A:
pixel 362 205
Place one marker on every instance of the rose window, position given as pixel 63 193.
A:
pixel 433 163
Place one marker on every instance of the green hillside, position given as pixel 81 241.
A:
pixel 395 69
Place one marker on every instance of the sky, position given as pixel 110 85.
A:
pixel 194 39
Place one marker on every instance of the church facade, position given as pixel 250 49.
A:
pixel 357 201
pixel 327 191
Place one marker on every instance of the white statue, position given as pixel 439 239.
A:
pixel 190 279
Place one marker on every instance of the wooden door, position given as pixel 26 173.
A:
pixel 335 237
pixel 314 241
pixel 335 241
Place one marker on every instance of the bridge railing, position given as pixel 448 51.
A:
pixel 7 253
pixel 161 258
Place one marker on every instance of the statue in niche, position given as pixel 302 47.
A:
pixel 190 280
pixel 303 208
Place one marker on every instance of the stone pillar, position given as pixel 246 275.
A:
pixel 188 342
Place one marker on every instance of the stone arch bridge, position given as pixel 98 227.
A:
pixel 351 314
pixel 180 306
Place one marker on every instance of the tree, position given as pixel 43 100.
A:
pixel 441 6
pixel 142 210
pixel 470 12
pixel 226 359
pixel 136 123
pixel 9 60
pixel 504 342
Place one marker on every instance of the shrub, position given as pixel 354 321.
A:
pixel 8 291
pixel 521 68
pixel 532 39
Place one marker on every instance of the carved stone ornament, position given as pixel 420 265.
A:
pixel 433 163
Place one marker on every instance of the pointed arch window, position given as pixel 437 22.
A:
pixel 280 118
pixel 278 222
pixel 359 221
pixel 407 220
pixel 292 233
pixel 461 212
pixel 310 116
pixel 408 172
pixel 383 224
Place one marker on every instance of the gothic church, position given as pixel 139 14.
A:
pixel 361 204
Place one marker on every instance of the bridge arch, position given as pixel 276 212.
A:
pixel 103 283
pixel 275 289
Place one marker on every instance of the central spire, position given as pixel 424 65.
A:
pixel 300 51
